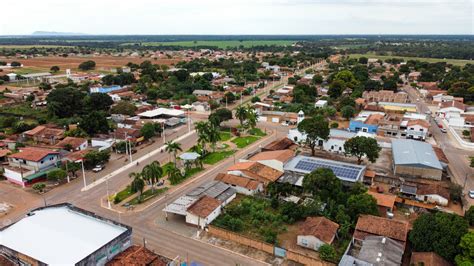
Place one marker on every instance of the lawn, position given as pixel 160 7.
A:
pixel 225 136
pixel 220 44
pixel 214 157
pixel 190 172
pixel 243 142
pixel 147 195
pixel 257 132
pixel 457 62
pixel 121 195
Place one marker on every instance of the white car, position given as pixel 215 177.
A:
pixel 471 194
pixel 98 168
pixel 443 130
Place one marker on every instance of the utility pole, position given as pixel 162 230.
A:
pixel 83 173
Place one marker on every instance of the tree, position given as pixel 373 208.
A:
pixel 54 69
pixel 241 114
pixel 336 88
pixel 203 134
pixel 362 146
pixel 467 250
pixel 124 108
pixel 65 102
pixel 137 184
pixel 98 102
pixel 361 204
pixel 15 64
pixel 317 79
pixel 323 183
pixel 327 253
pixel 56 175
pixel 348 112
pixel 252 117
pixel 71 167
pixel 315 129
pixel 39 187
pixel 148 131
pixel 94 158
pixel 438 232
pixel 87 65
pixel 152 172
pixel 173 147
pixel 363 60
pixel 95 122
pixel 219 116
pixel 469 216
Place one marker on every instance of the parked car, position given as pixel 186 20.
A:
pixel 98 168
pixel 444 130
pixel 471 194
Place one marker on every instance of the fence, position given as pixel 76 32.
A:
pixel 260 245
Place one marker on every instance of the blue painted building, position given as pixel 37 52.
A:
pixel 366 122
pixel 105 89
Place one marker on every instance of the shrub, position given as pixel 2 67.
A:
pixel 334 125
pixel 327 253
pixel 469 216
pixel 39 187
pixel 57 175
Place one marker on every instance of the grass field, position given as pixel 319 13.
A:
pixel 215 157
pixel 147 195
pixel 220 44
pixel 456 62
pixel 242 142
pixel 225 136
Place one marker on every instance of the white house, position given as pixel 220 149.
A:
pixel 417 129
pixel 203 211
pixel 317 231
pixel 273 159
pixel 434 194
pixel 450 108
pixel 321 104
pixel 241 184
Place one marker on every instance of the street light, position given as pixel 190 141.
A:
pixel 83 172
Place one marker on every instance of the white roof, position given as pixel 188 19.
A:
pixel 59 235
pixel 321 102
pixel 161 111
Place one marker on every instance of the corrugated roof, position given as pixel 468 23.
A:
pixel 415 153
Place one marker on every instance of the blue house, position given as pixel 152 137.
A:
pixel 105 89
pixel 366 122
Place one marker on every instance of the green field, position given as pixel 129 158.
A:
pixel 456 62
pixel 219 44
pixel 243 142
pixel 32 46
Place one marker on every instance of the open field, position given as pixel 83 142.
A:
pixel 456 62
pixel 33 46
pixel 219 44
pixel 42 64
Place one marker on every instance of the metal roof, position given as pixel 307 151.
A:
pixel 414 153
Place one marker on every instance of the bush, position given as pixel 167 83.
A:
pixel 327 253
pixel 469 216
pixel 39 187
pixel 87 65
pixel 57 175
pixel 334 125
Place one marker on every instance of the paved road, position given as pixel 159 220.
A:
pixel 457 156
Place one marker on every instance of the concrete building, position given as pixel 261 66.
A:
pixel 241 184
pixel 107 89
pixel 415 159
pixel 316 231
pixel 63 235
pixel 366 121
pixel 321 104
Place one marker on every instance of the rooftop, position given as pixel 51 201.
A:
pixel 60 235
pixel 238 181
pixel 136 256
pixel 380 250
pixel 368 225
pixel 428 259
pixel 384 200
pixel 73 141
pixel 32 154
pixel 161 111
pixel 280 155
pixel 204 206
pixel 415 153
pixel 320 227
pixel 280 144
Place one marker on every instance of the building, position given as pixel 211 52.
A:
pixel 63 235
pixel 241 184
pixel 385 96
pixel 373 251
pixel 337 139
pixel 317 231
pixel 299 166
pixel 138 255
pixel 445 109
pixel 415 159
pixel 161 113
pixel 44 134
pixel 385 202
pixel 273 159
pixel 203 211
pixel 280 144
pixel 428 259
pixel 73 143
pixel 30 165
pixel 206 93
pixel 369 225
pixel 107 89
pixel 417 129
pixel 256 171
pixel 321 104
pixel 366 121
pixel 433 194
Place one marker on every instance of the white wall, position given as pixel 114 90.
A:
pixel 310 242
pixel 202 222
pixel 434 199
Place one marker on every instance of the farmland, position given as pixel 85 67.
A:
pixel 456 62
pixel 220 44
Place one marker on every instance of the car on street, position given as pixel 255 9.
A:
pixel 443 130
pixel 471 194
pixel 98 168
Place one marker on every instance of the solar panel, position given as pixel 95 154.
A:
pixel 342 171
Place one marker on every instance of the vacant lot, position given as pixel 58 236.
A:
pixel 39 64
pixel 220 44
pixel 457 62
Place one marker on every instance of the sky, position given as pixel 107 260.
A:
pixel 235 17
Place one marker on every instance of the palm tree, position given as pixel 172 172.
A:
pixel 241 114
pixel 173 147
pixel 174 175
pixel 152 172
pixel 137 184
pixel 251 117
pixel 213 136
pixel 202 132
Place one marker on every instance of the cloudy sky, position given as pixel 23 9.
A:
pixel 239 16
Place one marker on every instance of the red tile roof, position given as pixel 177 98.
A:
pixel 281 155
pixel 4 153
pixel 32 154
pixel 320 227
pixel 73 141
pixel 379 226
pixel 137 256
pixel 280 144
pixel 428 259
pixel 383 200
pixel 455 104
pixel 240 181
pixel 419 122
pixel 258 169
pixel 204 206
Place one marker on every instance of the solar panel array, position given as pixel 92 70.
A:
pixel 342 171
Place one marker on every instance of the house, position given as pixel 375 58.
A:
pixel 428 259
pixel 203 211
pixel 373 251
pixel 73 144
pixel 58 228
pixel 385 202
pixel 417 129
pixel 138 255
pixel 317 231
pixel 126 133
pixel 416 159
pixel 369 225
pixel 273 159
pixel 241 184
pixel 30 164
pixel 206 93
pixel 161 113
pixel 366 121
pixel 414 76
pixel 44 134
pixel 280 144
pixel 442 97
pixel 445 109
pixel 385 96
pixel 433 193
pixel 321 104
pixel 256 171
pixel 397 107
pixel 106 89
